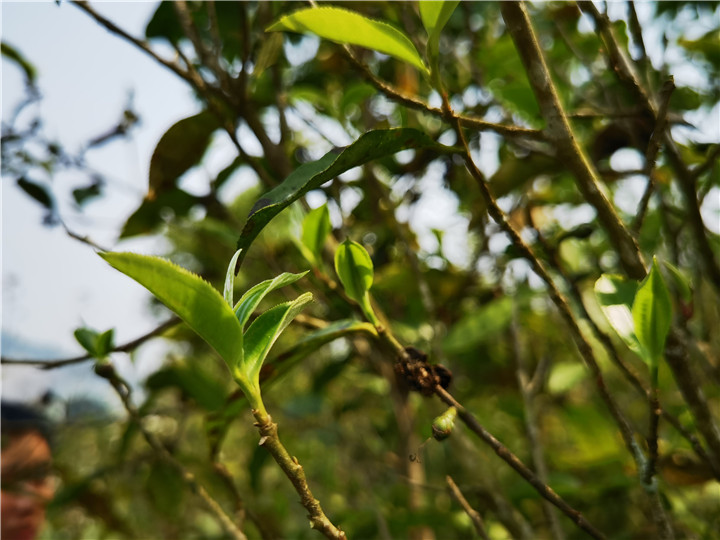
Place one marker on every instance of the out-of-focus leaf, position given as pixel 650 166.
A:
pixel 253 296
pixel 565 376
pixel 269 53
pixel 87 337
pixel 264 331
pixel 149 214
pixel 166 487
pixel 652 314
pixel 37 191
pixel 681 282
pixel 312 341
pixel 616 295
pixel 316 227
pixel 180 148
pixel 193 382
pixel 12 54
pixel 192 298
pixel 84 194
pixel 479 326
pixel 706 47
pixel 105 343
pixel 349 27
pixel 371 145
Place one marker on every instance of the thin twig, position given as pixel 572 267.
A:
pixel 122 388
pixel 652 151
pixel 531 423
pixel 125 347
pixel 414 103
pixel 623 70
pixel 511 459
pixel 474 516
pixel 560 133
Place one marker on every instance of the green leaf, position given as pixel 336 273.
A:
pixel 316 227
pixel 193 299
pixel 166 488
pixel 312 341
pixel 180 148
pixel 355 270
pixel 348 27
pixel 681 282
pixel 37 191
pixel 371 145
pixel 435 15
pixel 264 331
pixel 230 279
pixel 652 314
pixel 616 295
pixel 192 381
pixel 87 337
pixel 252 297
pixel 478 326
pixel 105 343
pixel 151 213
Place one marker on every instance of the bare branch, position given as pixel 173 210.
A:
pixel 474 516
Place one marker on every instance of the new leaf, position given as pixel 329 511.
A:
pixel 351 28
pixel 192 298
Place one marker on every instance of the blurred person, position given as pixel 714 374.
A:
pixel 25 482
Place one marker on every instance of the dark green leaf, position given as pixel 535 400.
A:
pixel 167 488
pixel 180 148
pixel 37 191
pixel 88 339
pixel 151 213
pixel 371 145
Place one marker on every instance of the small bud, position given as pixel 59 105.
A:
pixel 443 425
pixel 104 369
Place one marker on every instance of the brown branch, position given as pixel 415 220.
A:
pixel 518 466
pixel 469 510
pixel 294 471
pixel 129 346
pixel 414 103
pixel 623 69
pixel 560 133
pixel 652 151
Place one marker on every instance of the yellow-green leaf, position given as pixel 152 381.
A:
pixel 652 314
pixel 192 298
pixel 351 28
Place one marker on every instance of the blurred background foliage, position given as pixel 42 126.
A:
pixel 449 281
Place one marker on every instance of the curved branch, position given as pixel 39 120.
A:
pixel 125 347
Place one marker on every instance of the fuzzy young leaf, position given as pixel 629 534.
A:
pixel 348 27
pixel 652 314
pixel 193 299
pixel 252 297
pixel 316 227
pixel 230 279
pixel 371 145
pixel 264 331
pixel 616 296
